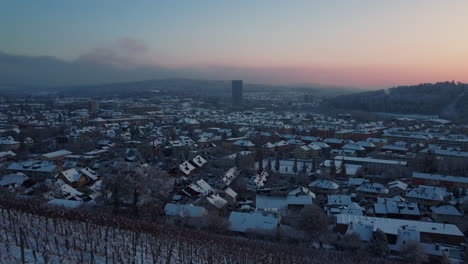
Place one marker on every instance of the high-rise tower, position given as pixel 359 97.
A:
pixel 237 92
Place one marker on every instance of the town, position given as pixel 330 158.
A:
pixel 255 164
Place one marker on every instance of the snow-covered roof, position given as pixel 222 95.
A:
pixel 356 181
pixel 324 184
pixel 244 143
pixel 186 167
pixel 14 178
pixel 55 154
pixel 216 200
pixel 353 147
pixel 338 199
pixel 427 193
pixel 184 210
pixel 243 222
pixel 391 225
pixel 371 160
pixel 393 206
pixel 199 161
pixel 439 177
pixel 33 166
pixel 230 175
pixel 446 209
pixel 280 202
pixel 230 192
pixel 397 184
pixel 205 186
pixel 89 173
pixel 260 179
pixel 65 203
pixel 372 188
pixel 72 175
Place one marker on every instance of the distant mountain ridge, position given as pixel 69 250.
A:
pixel 446 99
pixel 82 77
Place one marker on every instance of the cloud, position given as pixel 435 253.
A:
pixel 132 46
pixel 126 53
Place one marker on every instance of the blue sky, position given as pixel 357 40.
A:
pixel 348 37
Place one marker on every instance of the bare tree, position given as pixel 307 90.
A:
pixel 136 183
pixel 313 220
pixel 350 242
pixel 413 252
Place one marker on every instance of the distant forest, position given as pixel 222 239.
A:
pixel 446 99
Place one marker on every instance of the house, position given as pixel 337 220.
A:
pixel 216 201
pixel 253 222
pixel 351 170
pixel 184 210
pixel 335 200
pixel 427 195
pixel 230 194
pixel 230 176
pixel 334 142
pixel 72 177
pixel 351 209
pixel 36 169
pixel 56 155
pixel 358 149
pixel 8 143
pixel 353 183
pixel 5 155
pixel 373 165
pixel 307 151
pixel 430 232
pixel 439 180
pixel 71 204
pixel 90 174
pixel 186 168
pixel 199 161
pixel 62 190
pixel 261 179
pixel 397 188
pixel 295 199
pixel 396 207
pixel 446 213
pixel 367 145
pixel 342 204
pixel 372 190
pixel 323 186
pixel 378 142
pixel 14 180
pixel 243 144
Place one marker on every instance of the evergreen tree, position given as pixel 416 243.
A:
pixel 260 162
pixel 332 168
pixel 379 244
pixel 236 160
pixel 268 166
pixel 277 163
pixel 343 169
pixel 304 168
pixel 294 168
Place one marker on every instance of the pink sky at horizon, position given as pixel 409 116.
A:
pixel 360 43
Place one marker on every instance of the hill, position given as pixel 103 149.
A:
pixel 446 99
pixel 35 234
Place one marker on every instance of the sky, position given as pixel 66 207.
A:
pixel 360 43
